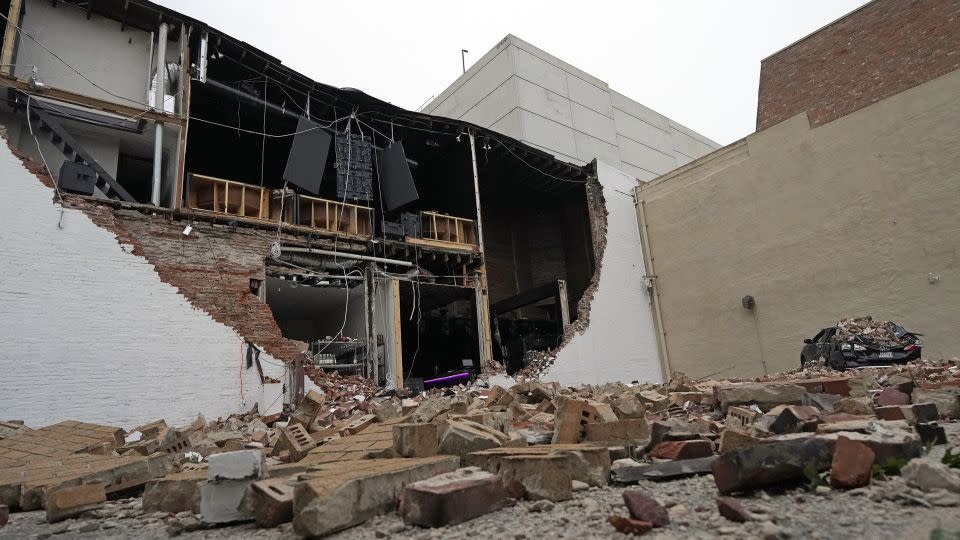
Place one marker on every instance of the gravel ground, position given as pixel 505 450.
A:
pixel 886 509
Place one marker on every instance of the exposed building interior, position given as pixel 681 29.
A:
pixel 402 245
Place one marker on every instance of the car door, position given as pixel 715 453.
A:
pixel 825 345
pixel 811 350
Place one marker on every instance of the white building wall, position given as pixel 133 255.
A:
pixel 89 332
pixel 620 344
pixel 117 61
pixel 525 93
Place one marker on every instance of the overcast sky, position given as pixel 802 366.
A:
pixel 695 61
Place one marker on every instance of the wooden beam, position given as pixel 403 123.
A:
pixel 397 334
pixel 10 37
pixel 91 102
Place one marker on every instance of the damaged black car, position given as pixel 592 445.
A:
pixel 862 342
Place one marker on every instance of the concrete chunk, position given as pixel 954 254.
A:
pixel 764 395
pixel 72 501
pixel 947 400
pixel 179 492
pixel 770 464
pixel 537 477
pixel 340 495
pixel 461 437
pixel 221 501
pixel 415 440
pixel 239 465
pixel 452 498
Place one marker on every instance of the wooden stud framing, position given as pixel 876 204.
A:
pixel 10 37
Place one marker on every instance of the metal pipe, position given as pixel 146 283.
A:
pixel 654 290
pixel 346 256
pixel 158 98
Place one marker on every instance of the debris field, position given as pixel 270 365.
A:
pixel 685 459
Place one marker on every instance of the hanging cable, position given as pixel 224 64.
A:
pixel 53 180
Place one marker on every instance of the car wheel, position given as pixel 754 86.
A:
pixel 803 360
pixel 837 362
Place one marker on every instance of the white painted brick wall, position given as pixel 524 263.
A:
pixel 89 332
pixel 620 344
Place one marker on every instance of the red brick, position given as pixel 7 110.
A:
pixel 891 396
pixel 881 49
pixel 731 509
pixel 852 464
pixel 452 498
pixel 682 449
pixel 645 508
pixel 630 526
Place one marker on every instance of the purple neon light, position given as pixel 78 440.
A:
pixel 448 377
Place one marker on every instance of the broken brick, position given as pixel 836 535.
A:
pixel 451 498
pixel 697 448
pixel 645 508
pixel 852 464
pixel 892 396
pixel 732 509
pixel 630 526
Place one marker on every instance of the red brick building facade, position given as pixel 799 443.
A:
pixel 881 49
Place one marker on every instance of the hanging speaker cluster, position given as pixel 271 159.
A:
pixel 308 156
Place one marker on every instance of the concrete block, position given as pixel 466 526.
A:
pixel 775 463
pixel 626 431
pixel 415 440
pixel 537 477
pixel 430 409
pixel 71 501
pixel 451 498
pixel 174 493
pixel 271 501
pixel 239 465
pixel 308 409
pixel 297 441
pixel 221 501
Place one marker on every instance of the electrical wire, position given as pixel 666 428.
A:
pixel 56 187
pixel 64 62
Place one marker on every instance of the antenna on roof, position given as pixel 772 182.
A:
pixel 463 59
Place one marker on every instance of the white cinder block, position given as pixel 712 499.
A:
pixel 239 465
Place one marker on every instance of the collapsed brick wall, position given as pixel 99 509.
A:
pixel 212 267
pixel 539 361
pixel 879 50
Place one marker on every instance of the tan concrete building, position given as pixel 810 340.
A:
pixel 856 216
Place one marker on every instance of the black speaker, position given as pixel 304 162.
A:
pixel 308 156
pixel 77 178
pixel 396 181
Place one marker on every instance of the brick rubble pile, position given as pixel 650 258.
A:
pixel 346 454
